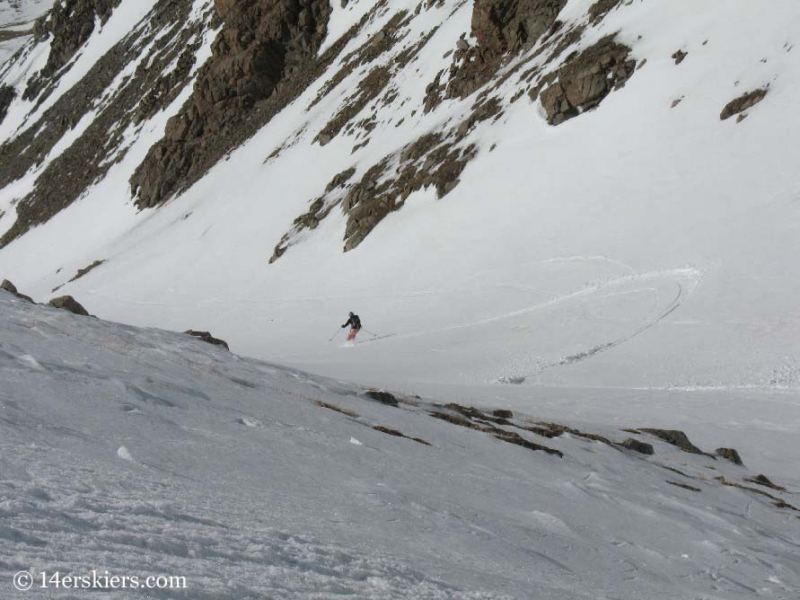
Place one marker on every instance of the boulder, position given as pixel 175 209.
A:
pixel 674 437
pixel 382 397
pixel 12 289
pixel 765 481
pixel 678 56
pixel 729 454
pixel 207 337
pixel 742 103
pixel 9 287
pixel 585 80
pixel 637 446
pixel 69 303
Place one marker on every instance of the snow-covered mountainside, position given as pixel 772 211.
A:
pixel 536 192
pixel 145 453
pixel 583 211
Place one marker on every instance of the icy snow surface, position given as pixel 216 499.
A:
pixel 143 452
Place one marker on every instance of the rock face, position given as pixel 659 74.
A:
pixel 585 80
pixel 263 45
pixel 69 303
pixel 729 454
pixel 7 95
pixel 504 25
pixel 70 23
pixel 600 9
pixel 500 27
pixel 207 337
pixel 170 39
pixel 742 103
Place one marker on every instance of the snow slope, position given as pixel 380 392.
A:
pixel 143 452
pixel 638 245
pixel 632 265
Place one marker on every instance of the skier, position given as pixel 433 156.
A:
pixel 355 326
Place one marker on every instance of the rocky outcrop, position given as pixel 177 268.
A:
pixel 504 25
pixel 12 289
pixel 742 103
pixel 502 413
pixel 85 270
pixel 765 481
pixel 600 9
pixel 674 437
pixel 729 454
pixel 382 397
pixel 69 303
pixel 637 446
pixel 264 45
pixel 69 24
pixel 169 35
pixel 678 56
pixel 499 27
pixel 586 79
pixel 429 161
pixel 7 95
pixel 319 209
pixel 207 337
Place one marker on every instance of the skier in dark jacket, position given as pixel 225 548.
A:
pixel 355 326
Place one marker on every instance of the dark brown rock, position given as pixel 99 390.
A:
pixel 504 25
pixel 9 287
pixel 7 95
pixel 729 454
pixel 600 9
pixel 69 24
pixel 69 303
pixel 265 45
pixel 764 480
pixel 586 79
pixel 500 27
pixel 12 289
pixel 207 337
pixel 103 142
pixel 382 397
pixel 685 486
pixel 85 270
pixel 742 103
pixel 678 56
pixel 501 413
pixel 512 437
pixel 637 446
pixel 674 437
pixel 388 431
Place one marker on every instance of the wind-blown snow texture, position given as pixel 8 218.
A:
pixel 143 452
pixel 633 266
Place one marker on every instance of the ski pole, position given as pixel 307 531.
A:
pixel 369 332
pixel 338 329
